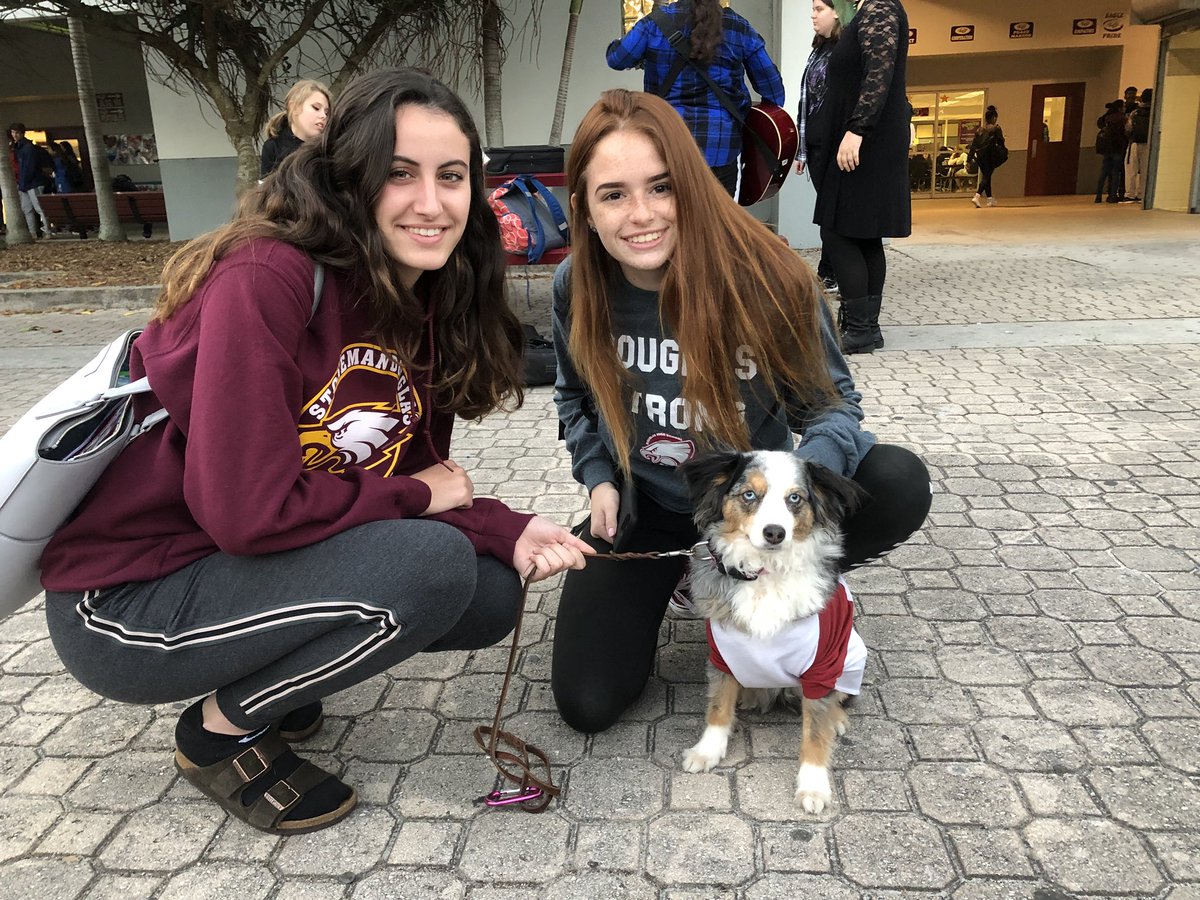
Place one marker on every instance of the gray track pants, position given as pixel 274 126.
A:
pixel 272 633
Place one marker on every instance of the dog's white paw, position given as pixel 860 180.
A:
pixel 813 791
pixel 696 760
pixel 709 750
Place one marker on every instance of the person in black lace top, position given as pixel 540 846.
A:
pixel 863 191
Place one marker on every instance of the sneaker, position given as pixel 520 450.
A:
pixel 680 605
pixel 829 283
pixel 976 200
pixel 991 201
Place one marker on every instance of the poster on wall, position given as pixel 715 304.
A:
pixel 111 107
pixel 912 35
pixel 962 33
pixel 1018 30
pixel 130 149
pixel 967 129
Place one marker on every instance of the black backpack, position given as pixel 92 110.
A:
pixel 1139 125
pixel 1105 142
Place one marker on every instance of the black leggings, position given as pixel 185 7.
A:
pixel 606 632
pixel 858 262
pixel 985 180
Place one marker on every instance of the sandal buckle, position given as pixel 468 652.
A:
pixel 250 764
pixel 287 796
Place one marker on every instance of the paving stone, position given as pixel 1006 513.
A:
pixel 1163 703
pixel 943 606
pixel 1092 856
pixel 1165 635
pixel 1175 742
pixel 589 885
pixel 405 884
pixel 78 833
pixel 774 886
pixel 965 794
pixel 164 837
pixel 14 763
pixel 892 850
pixel 391 736
pixel 1148 798
pixel 123 887
pixel 992 851
pixel 1113 745
pixel 22 821
pixel 796 847
pixel 1027 633
pixel 219 880
pixel 496 851
pixel 691 848
pixel 615 846
pixel 241 844
pixel 981 665
pixel 896 633
pixel 355 845
pixel 883 791
pixel 59 694
pixel 444 786
pixel 919 702
pixel 613 789
pixel 872 743
pixel 1180 853
pixel 30 729
pixel 98 731
pixel 1082 703
pixel 676 734
pixel 124 782
pixel 46 879
pixel 941 742
pixel 1001 701
pixel 425 844
pixel 38 658
pixel 1029 745
pixel 700 791
pixel 1057 795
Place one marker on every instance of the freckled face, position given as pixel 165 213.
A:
pixel 630 204
pixel 423 208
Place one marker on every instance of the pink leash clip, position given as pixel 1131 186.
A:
pixel 508 798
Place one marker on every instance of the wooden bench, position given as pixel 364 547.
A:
pixel 80 212
pixel 551 180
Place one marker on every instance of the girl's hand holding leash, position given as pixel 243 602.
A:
pixel 545 548
pixel 606 502
pixel 450 487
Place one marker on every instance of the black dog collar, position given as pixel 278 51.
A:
pixel 732 572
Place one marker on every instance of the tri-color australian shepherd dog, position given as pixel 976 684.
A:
pixel 780 620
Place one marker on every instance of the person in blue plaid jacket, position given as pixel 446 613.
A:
pixel 729 47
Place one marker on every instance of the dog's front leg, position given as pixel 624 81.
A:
pixel 822 721
pixel 723 693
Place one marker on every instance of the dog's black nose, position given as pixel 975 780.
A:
pixel 773 534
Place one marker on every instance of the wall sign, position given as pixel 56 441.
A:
pixel 962 33
pixel 1018 30
pixel 1113 25
pixel 1083 26
pixel 912 35
pixel 111 107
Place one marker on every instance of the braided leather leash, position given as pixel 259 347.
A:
pixel 535 789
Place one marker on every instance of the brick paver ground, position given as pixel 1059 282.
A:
pixel 1031 715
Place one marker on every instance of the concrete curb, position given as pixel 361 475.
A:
pixel 107 297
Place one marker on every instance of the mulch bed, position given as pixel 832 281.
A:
pixel 63 262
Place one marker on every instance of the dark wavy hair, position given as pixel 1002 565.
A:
pixel 707 32
pixel 322 199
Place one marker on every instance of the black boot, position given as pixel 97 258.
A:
pixel 857 336
pixel 874 304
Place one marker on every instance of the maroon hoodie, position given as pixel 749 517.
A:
pixel 283 432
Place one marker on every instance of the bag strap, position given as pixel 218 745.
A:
pixel 683 48
pixel 552 204
pixel 142 385
pixel 537 240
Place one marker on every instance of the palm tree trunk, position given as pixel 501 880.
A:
pixel 18 232
pixel 564 78
pixel 249 165
pixel 111 228
pixel 493 108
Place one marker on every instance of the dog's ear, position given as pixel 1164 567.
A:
pixel 834 497
pixel 708 479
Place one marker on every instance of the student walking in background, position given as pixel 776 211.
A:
pixel 1137 153
pixel 730 49
pixel 983 154
pixel 1111 142
pixel 305 110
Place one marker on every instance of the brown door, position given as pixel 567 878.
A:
pixel 1055 128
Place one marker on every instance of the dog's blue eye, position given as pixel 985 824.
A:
pixel 749 496
pixel 794 497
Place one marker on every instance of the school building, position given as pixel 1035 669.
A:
pixel 1049 68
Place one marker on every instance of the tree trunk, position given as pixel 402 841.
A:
pixel 564 78
pixel 493 61
pixel 248 162
pixel 111 228
pixel 18 232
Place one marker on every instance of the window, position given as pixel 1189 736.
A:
pixel 632 10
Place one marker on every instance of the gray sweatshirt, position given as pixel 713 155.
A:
pixel 664 423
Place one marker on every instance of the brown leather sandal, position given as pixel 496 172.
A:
pixel 226 781
pixel 301 724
